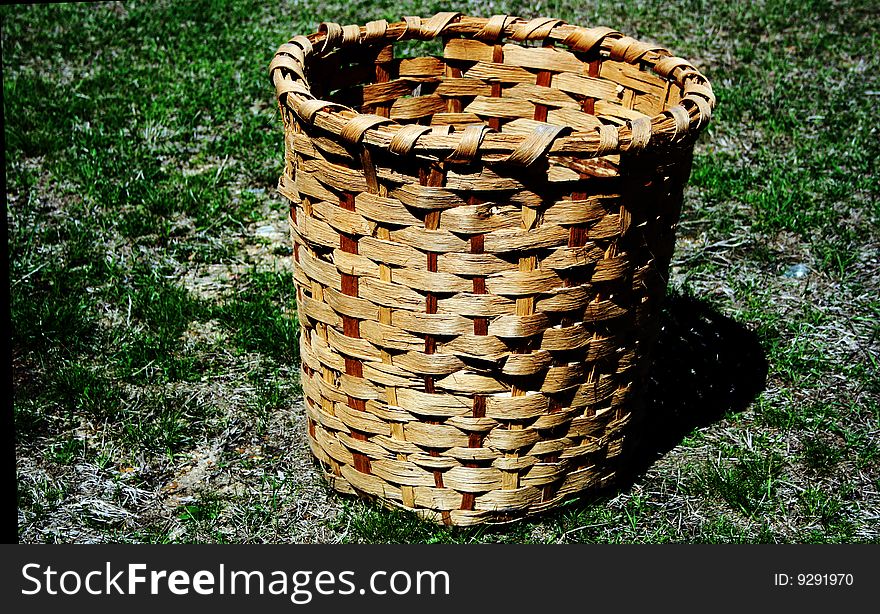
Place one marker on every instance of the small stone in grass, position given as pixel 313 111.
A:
pixel 797 271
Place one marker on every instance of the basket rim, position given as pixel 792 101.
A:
pixel 678 123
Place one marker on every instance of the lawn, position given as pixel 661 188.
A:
pixel 154 358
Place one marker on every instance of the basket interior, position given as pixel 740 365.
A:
pixel 506 87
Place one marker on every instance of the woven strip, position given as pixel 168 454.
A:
pixel 535 145
pixel 352 131
pixel 481 244
pixel 469 144
pixel 536 29
pixel 493 29
pixel 405 139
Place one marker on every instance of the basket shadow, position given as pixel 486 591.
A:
pixel 705 366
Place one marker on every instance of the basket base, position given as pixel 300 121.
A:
pixel 465 518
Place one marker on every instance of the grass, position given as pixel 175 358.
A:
pixel 154 331
pixel 748 485
pixel 259 315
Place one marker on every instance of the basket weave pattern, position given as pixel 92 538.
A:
pixel 480 242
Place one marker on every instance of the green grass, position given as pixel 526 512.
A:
pixel 83 391
pixel 821 455
pixel 154 333
pixel 259 315
pixel 749 485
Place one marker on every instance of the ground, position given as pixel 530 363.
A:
pixel 154 365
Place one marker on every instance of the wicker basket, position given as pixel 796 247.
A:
pixel 481 241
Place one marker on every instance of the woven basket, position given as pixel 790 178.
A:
pixel 481 241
